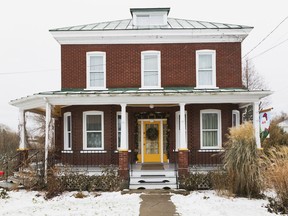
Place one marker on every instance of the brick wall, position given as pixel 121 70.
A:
pixel 123 64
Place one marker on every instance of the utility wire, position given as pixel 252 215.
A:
pixel 265 37
pixel 269 49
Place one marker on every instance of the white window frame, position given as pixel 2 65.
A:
pixel 177 130
pixel 236 114
pixel 88 55
pixel 219 130
pixel 158 54
pixel 213 54
pixel 66 132
pixel 119 114
pixel 101 113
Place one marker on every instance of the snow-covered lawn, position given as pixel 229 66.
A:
pixel 209 204
pixel 31 203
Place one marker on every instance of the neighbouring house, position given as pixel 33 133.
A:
pixel 145 91
pixel 284 125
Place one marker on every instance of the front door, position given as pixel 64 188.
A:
pixel 152 140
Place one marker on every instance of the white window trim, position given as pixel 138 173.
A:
pixel 88 55
pixel 85 132
pixel 117 114
pixel 151 52
pixel 237 120
pixel 218 112
pixel 177 131
pixel 213 53
pixel 66 133
pixel 150 15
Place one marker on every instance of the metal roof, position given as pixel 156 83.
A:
pixel 172 23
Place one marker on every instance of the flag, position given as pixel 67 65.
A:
pixel 264 119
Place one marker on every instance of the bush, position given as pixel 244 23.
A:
pixel 276 177
pixel 242 162
pixel 3 194
pixel 195 181
pixel 220 182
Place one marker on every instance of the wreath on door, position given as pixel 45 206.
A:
pixel 152 133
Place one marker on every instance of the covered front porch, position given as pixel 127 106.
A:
pixel 153 126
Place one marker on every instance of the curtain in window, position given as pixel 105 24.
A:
pixel 210 129
pixel 205 69
pixel 151 70
pixel 96 71
pixel 69 135
pixel 94 131
pixel 119 130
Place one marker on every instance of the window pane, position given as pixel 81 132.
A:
pixel 69 140
pixel 210 138
pixel 68 123
pixel 96 64
pixel 150 62
pixel 94 139
pixel 210 121
pixel 205 61
pixel 119 122
pixel 93 122
pixel 119 139
pixel 205 77
pixel 97 79
pixel 151 78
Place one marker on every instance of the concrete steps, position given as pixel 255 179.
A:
pixel 153 179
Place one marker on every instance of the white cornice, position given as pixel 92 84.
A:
pixel 151 36
pixel 37 101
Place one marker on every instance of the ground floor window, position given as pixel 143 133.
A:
pixel 118 124
pixel 67 131
pixel 93 130
pixel 177 131
pixel 210 125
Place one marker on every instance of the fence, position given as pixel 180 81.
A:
pixel 205 158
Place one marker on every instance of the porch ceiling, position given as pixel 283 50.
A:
pixel 136 97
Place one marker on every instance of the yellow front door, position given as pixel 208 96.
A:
pixel 152 139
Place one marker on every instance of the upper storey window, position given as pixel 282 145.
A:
pixel 96 70
pixel 150 70
pixel 206 68
pixel 149 17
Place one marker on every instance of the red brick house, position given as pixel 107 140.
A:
pixel 150 89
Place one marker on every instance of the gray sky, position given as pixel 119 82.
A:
pixel 30 56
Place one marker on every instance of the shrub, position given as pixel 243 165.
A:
pixel 195 181
pixel 242 162
pixel 3 194
pixel 276 175
pixel 220 182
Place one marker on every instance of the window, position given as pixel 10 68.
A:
pixel 177 120
pixel 235 118
pixel 93 130
pixel 119 129
pixel 150 69
pixel 210 125
pixel 96 70
pixel 206 68
pixel 67 131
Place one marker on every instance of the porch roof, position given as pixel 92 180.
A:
pixel 136 96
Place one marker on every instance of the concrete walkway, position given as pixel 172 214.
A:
pixel 157 202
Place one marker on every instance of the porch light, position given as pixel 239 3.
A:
pixel 151 106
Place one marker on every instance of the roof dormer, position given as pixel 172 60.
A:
pixel 149 17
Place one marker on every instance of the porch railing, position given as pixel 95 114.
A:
pixel 205 158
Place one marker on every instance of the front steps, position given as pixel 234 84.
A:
pixel 153 179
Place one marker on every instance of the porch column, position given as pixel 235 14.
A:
pixel 47 137
pixel 22 143
pixel 256 123
pixel 123 151
pixel 183 163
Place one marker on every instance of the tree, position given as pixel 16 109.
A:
pixel 252 80
pixel 9 142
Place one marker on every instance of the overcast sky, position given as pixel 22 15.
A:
pixel 30 56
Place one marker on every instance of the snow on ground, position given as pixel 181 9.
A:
pixel 208 203
pixel 28 203
pixel 31 203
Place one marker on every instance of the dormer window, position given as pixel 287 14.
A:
pixel 149 17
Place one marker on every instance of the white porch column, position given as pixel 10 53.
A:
pixel 22 143
pixel 123 144
pixel 47 137
pixel 256 123
pixel 183 143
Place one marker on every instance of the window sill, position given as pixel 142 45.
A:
pixel 206 87
pixel 151 88
pixel 67 151
pixel 96 89
pixel 93 151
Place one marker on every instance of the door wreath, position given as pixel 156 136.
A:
pixel 152 133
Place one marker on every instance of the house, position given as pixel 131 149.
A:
pixel 149 89
pixel 284 125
